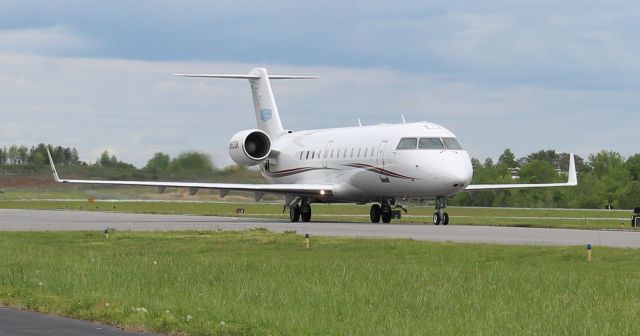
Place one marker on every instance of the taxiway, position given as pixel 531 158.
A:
pixel 45 220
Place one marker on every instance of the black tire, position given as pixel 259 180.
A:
pixel 385 213
pixel 305 213
pixel 374 213
pixel 445 218
pixel 437 219
pixel 294 213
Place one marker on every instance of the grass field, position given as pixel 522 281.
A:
pixel 561 218
pixel 262 283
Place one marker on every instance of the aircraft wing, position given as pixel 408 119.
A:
pixel 572 181
pixel 259 189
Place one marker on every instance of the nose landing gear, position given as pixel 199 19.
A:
pixel 441 217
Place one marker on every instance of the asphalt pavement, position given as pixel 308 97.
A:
pixel 51 220
pixel 23 323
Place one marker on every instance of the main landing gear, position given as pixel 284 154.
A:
pixel 441 217
pixel 382 211
pixel 300 211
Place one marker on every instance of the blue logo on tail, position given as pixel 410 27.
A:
pixel 266 114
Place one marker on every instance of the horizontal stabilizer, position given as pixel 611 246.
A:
pixel 264 103
pixel 235 76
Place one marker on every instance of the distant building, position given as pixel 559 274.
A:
pixel 515 173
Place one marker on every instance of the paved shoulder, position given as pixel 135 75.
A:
pixel 22 323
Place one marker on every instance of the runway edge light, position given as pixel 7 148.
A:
pixel 589 251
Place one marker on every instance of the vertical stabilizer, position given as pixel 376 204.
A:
pixel 267 115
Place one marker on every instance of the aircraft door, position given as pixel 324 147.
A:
pixel 325 155
pixel 380 162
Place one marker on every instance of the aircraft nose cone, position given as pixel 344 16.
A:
pixel 460 172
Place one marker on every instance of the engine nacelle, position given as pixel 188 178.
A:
pixel 249 147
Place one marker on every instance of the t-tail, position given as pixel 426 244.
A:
pixel 266 110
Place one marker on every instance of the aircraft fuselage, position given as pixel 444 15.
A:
pixel 364 164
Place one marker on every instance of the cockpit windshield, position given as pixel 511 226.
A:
pixel 452 143
pixel 408 143
pixel 428 143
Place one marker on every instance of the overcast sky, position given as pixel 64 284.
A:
pixel 527 75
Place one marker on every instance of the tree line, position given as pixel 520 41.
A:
pixel 37 155
pixel 604 179
pixel 15 155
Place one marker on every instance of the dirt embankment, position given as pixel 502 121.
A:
pixel 24 180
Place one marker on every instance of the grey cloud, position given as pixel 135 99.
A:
pixel 136 108
pixel 497 74
pixel 565 44
pixel 55 40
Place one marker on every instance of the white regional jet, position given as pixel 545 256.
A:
pixel 380 164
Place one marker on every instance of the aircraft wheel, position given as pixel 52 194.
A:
pixel 445 218
pixel 294 213
pixel 437 218
pixel 305 212
pixel 386 213
pixel 374 213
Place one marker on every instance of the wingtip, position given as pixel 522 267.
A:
pixel 53 167
pixel 573 175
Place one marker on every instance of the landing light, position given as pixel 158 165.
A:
pixel 322 192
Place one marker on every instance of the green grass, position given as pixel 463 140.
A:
pixel 565 218
pixel 262 283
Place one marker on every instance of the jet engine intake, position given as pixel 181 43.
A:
pixel 249 147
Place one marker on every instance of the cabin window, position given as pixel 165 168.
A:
pixel 373 151
pixel 301 155
pixel 307 155
pixel 359 149
pixel 351 153
pixel 332 153
pixel 366 150
pixel 408 143
pixel 430 143
pixel 452 143
pixel 345 153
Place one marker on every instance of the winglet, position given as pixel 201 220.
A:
pixel 573 176
pixel 53 167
